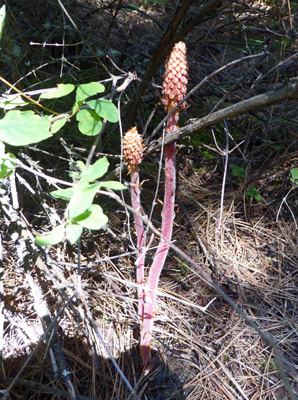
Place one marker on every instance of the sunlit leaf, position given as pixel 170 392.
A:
pixel 81 165
pixel 96 171
pixel 19 128
pixel 65 194
pixel 56 236
pixel 73 232
pixel 61 90
pixel 93 218
pixel 82 198
pixel 11 101
pixel 90 123
pixel 77 105
pixel 88 89
pixel 294 175
pixel 2 19
pixel 105 109
pixel 57 125
pixel 6 165
pixel 114 185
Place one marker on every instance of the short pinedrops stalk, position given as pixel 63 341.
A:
pixel 133 153
pixel 174 90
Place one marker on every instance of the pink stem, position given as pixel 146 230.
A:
pixel 140 262
pixel 163 247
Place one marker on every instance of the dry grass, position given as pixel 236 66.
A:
pixel 253 256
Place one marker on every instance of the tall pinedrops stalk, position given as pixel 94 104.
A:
pixel 133 153
pixel 174 90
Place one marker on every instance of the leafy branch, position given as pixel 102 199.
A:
pixel 81 212
pixel 20 128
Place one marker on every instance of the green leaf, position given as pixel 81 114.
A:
pixel 95 171
pixel 11 101
pixel 56 236
pixel 82 198
pixel 238 171
pixel 90 123
pixel 6 165
pixel 76 107
pixel 294 173
pixel 16 51
pixel 81 165
pixel 88 89
pixel 61 90
pixel 19 128
pixel 73 232
pixel 277 147
pixel 114 185
pixel 75 175
pixel 105 109
pixel 93 218
pixel 253 193
pixel 2 19
pixel 65 194
pixel 57 125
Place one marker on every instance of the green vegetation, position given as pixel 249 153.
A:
pixel 238 171
pixel 253 193
pixel 21 128
pixel 65 66
pixel 294 175
pixel 80 212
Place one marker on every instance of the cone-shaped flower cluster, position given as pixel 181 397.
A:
pixel 133 147
pixel 176 77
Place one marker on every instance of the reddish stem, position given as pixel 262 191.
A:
pixel 163 247
pixel 140 262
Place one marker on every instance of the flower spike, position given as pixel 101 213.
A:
pixel 133 147
pixel 176 77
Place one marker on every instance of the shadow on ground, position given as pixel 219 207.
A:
pixel 92 376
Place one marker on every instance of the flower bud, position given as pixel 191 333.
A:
pixel 133 147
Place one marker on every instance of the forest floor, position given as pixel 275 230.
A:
pixel 239 224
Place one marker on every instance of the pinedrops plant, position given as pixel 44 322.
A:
pixel 133 153
pixel 174 90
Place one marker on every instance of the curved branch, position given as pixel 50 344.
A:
pixel 290 91
pixel 172 35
